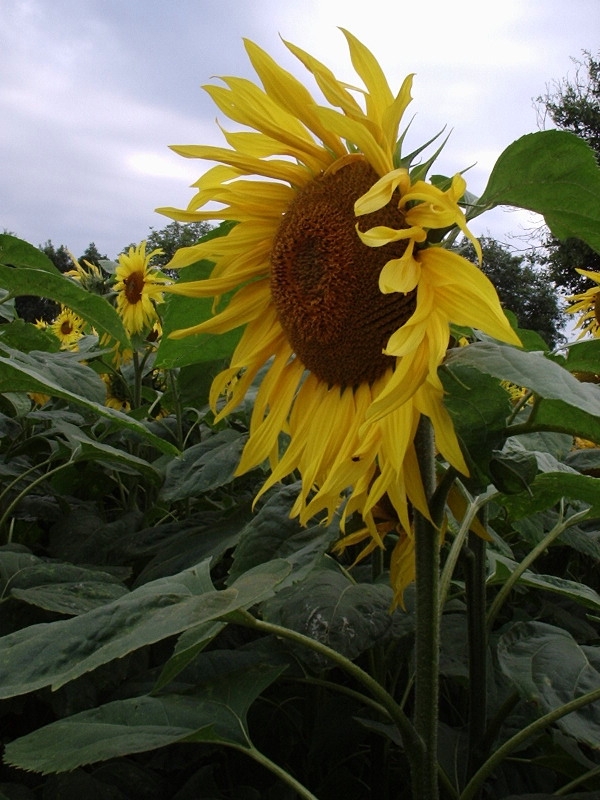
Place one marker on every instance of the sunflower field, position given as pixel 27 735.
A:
pixel 304 514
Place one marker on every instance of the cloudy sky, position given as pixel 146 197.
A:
pixel 92 92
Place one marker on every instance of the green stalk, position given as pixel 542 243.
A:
pixel 28 488
pixel 427 628
pixel 508 585
pixel 475 575
pixel 281 773
pixel 472 788
pixel 411 741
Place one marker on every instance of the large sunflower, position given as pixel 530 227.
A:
pixel 139 288
pixel 341 282
pixel 587 305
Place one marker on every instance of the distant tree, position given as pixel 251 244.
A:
pixel 574 105
pixel 92 254
pixel 58 255
pixel 172 237
pixel 523 287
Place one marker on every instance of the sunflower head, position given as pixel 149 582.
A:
pixel 139 288
pixel 68 328
pixel 341 284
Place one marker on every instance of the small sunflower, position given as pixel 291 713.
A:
pixel 587 304
pixel 139 288
pixel 342 286
pixel 68 327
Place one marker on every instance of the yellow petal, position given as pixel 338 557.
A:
pixel 401 274
pixel 380 194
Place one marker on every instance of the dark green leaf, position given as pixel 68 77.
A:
pixel 513 471
pixel 550 488
pixel 58 652
pixel 578 592
pixel 62 375
pixel 549 668
pixel 272 533
pixel 203 466
pixel 328 607
pixel 93 308
pixel 184 312
pixel 216 713
pixel 479 408
pixel 554 173
pixel 19 253
pixel 531 370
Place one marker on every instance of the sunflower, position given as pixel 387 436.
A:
pixel 587 304
pixel 139 288
pixel 341 284
pixel 68 328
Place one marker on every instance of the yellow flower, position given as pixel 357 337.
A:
pixel 90 276
pixel 139 288
pixel 588 305
pixel 341 285
pixel 68 328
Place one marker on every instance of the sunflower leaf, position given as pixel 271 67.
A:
pixel 214 710
pixel 553 173
pixel 44 282
pixel 62 375
pixel 550 669
pixel 53 654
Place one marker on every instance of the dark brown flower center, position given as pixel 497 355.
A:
pixel 66 327
pixel 324 280
pixel 134 285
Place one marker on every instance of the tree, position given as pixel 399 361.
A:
pixel 92 254
pixel 59 256
pixel 574 105
pixel 523 286
pixel 173 236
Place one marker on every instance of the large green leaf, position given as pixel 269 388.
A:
pixel 203 466
pixel 52 654
pixel 93 308
pixel 19 253
pixel 328 607
pixel 550 488
pixel 532 370
pixel 54 586
pixel 216 711
pixel 550 669
pixel 579 593
pixel 88 449
pixel 554 173
pixel 567 404
pixel 62 375
pixel 272 533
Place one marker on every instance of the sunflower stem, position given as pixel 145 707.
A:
pixel 475 574
pixel 427 633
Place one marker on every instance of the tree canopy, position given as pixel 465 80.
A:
pixel 573 104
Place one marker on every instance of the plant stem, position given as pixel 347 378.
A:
pixel 507 586
pixel 476 782
pixel 412 743
pixel 427 629
pixel 281 773
pixel 28 488
pixel 475 574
